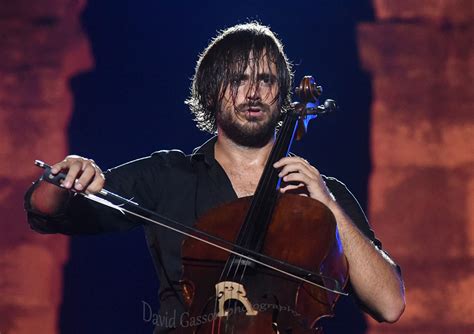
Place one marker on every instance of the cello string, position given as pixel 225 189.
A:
pixel 266 192
pixel 270 191
pixel 245 234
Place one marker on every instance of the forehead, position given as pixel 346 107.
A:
pixel 260 63
pixel 263 65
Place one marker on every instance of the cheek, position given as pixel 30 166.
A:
pixel 268 95
pixel 240 97
pixel 227 104
pixel 226 101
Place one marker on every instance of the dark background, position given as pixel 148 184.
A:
pixel 131 104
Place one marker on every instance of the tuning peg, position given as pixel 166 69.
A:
pixel 328 106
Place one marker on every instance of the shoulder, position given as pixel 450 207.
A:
pixel 345 198
pixel 351 206
pixel 157 159
pixel 332 180
pixel 341 192
pixel 170 157
pixel 148 168
pixel 336 186
pixel 147 177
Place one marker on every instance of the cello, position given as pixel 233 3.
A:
pixel 234 294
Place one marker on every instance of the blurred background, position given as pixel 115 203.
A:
pixel 107 80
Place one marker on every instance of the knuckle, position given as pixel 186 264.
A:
pixel 86 163
pixel 57 165
pixel 88 168
pixel 97 168
pixel 71 158
pixel 76 165
pixel 92 164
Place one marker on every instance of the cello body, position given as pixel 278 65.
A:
pixel 302 232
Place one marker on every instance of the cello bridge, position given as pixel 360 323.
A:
pixel 228 291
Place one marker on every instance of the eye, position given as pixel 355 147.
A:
pixel 267 79
pixel 238 80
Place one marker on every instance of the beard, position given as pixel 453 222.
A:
pixel 256 132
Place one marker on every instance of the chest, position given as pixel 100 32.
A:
pixel 244 180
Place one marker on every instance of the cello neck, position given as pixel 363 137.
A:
pixel 259 215
pixel 269 181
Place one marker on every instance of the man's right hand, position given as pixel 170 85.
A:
pixel 81 174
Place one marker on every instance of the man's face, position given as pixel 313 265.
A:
pixel 249 109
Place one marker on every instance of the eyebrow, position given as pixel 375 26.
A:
pixel 266 75
pixel 262 75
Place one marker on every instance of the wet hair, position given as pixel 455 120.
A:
pixel 225 59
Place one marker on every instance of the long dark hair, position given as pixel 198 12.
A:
pixel 225 58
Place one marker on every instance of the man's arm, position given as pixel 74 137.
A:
pixel 51 209
pixel 82 175
pixel 373 275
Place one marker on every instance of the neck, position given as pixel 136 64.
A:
pixel 229 152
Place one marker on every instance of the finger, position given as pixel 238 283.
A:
pixel 87 176
pixel 297 177
pixel 96 185
pixel 74 169
pixel 291 187
pixel 309 170
pixel 298 168
pixel 285 161
pixel 62 165
pixel 297 189
pixel 294 168
pixel 293 161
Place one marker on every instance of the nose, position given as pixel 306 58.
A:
pixel 253 92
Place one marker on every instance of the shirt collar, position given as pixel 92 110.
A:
pixel 205 152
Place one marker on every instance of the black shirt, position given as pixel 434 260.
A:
pixel 178 186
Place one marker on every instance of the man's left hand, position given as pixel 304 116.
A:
pixel 297 173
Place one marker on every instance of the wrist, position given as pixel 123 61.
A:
pixel 48 199
pixel 333 205
pixel 330 200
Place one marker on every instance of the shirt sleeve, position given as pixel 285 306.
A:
pixel 136 180
pixel 352 208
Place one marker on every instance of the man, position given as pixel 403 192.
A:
pixel 241 87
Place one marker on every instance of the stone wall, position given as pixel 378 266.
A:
pixel 420 56
pixel 41 47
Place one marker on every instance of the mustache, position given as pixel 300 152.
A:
pixel 244 106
